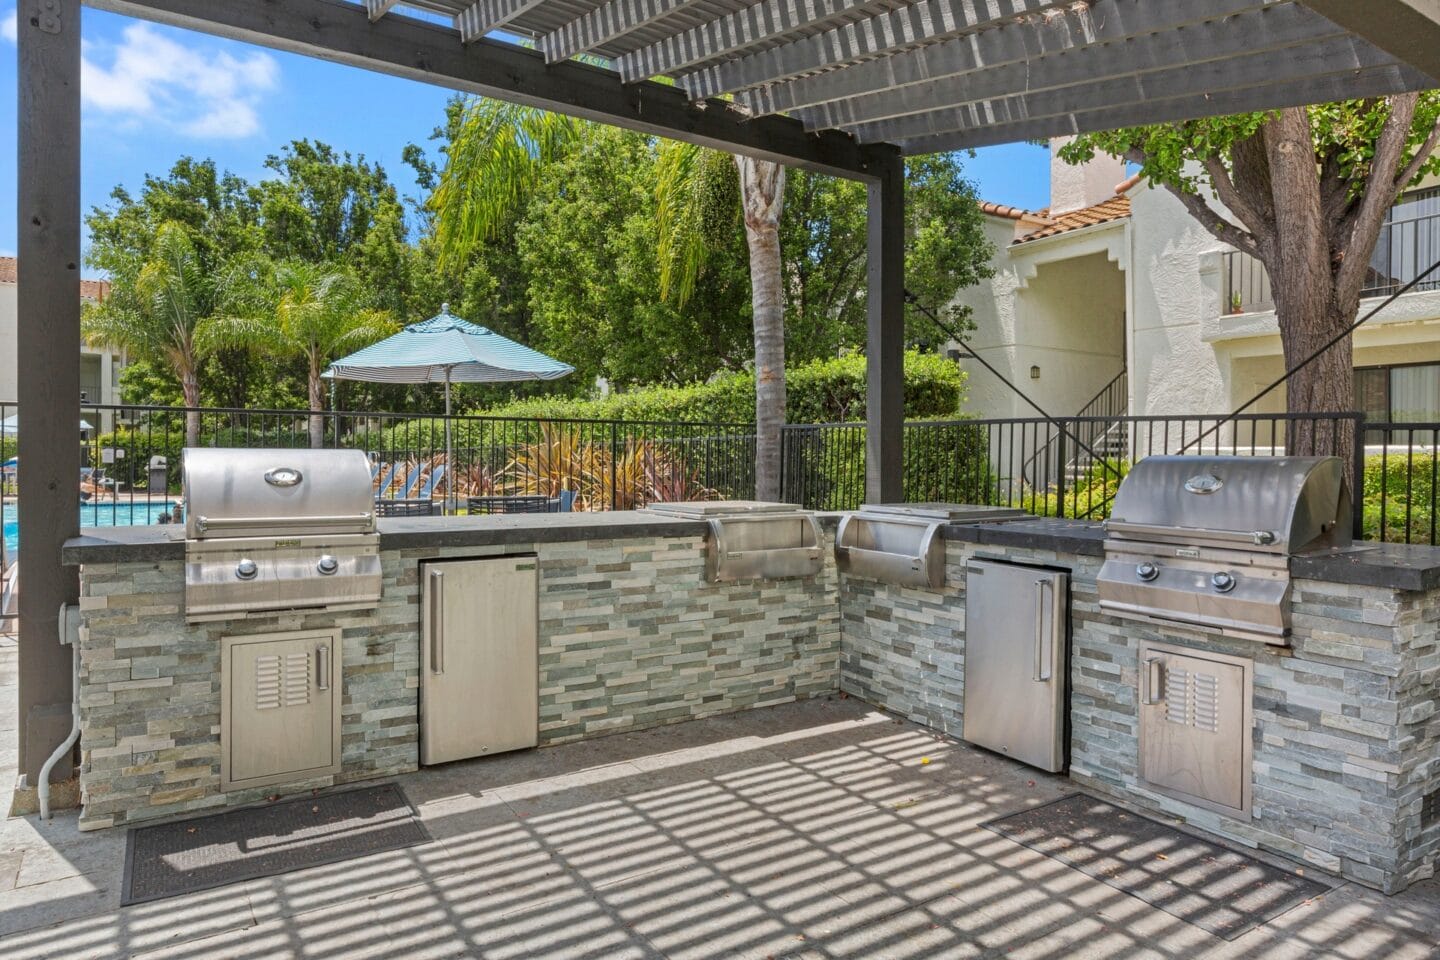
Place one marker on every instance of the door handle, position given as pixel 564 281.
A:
pixel 322 666
pixel 437 621
pixel 1040 674
pixel 1154 679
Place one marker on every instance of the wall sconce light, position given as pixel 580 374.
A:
pixel 1034 373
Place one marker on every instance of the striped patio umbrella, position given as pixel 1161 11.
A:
pixel 446 349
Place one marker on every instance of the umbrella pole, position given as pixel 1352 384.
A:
pixel 449 466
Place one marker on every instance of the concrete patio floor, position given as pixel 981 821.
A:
pixel 805 830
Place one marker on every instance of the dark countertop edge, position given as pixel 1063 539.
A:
pixel 1079 537
pixel 1391 566
pixel 1388 566
pixel 157 543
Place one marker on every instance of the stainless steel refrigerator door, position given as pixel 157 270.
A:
pixel 1015 682
pixel 479 658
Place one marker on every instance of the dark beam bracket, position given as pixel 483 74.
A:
pixel 431 53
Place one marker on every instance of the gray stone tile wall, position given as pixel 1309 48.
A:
pixel 1346 722
pixel 630 637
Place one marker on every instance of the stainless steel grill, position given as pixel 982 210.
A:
pixel 270 530
pixel 1207 541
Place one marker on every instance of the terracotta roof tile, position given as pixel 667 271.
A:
pixel 89 289
pixel 1116 208
pixel 1001 210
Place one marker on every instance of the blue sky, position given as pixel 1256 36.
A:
pixel 153 94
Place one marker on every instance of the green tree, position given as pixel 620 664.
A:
pixel 307 311
pixel 1305 191
pixel 158 299
pixel 588 246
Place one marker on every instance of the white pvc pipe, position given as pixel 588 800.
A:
pixel 44 787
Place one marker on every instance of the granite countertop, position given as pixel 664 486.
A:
pixel 1397 566
pixel 1063 536
pixel 1391 565
pixel 167 542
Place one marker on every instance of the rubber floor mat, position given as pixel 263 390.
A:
pixel 168 859
pixel 1217 889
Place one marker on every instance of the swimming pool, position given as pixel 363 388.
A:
pixel 108 514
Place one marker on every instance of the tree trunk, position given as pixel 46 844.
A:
pixel 190 391
pixel 317 407
pixel 762 195
pixel 1307 308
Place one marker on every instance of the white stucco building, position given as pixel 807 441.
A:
pixel 99 366
pixel 1115 276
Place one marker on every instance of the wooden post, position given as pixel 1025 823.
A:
pixel 48 344
pixel 885 325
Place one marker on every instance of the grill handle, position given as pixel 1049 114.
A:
pixel 322 666
pixel 203 523
pixel 437 621
pixel 1040 674
pixel 1250 538
pixel 1154 679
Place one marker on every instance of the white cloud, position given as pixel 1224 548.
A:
pixel 148 78
pixel 200 92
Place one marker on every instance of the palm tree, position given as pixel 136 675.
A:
pixel 313 311
pixel 158 300
pixel 491 162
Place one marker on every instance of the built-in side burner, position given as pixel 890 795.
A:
pixel 904 543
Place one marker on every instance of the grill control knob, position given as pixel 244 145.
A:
pixel 327 565
pixel 1147 571
pixel 246 569
pixel 1222 581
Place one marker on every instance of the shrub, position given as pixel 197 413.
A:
pixel 822 391
pixel 1406 485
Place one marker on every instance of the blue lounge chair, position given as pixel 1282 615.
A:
pixel 387 476
pixel 432 480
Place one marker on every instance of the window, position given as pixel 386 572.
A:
pixel 1407 393
pixel 1408 244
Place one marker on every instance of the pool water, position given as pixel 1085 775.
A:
pixel 120 514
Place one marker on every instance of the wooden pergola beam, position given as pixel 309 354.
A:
pixel 603 24
pixel 427 52
pixel 1027 57
pixel 886 33
pixel 1244 80
pixel 483 16
pixel 1378 82
pixel 725 35
pixel 1408 30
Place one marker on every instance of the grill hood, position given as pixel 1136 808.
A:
pixel 1271 504
pixel 276 492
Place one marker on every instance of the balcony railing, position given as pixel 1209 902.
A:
pixel 1406 248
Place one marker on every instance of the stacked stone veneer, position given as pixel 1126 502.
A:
pixel 630 636
pixel 1346 721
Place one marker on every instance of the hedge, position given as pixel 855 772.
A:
pixel 822 391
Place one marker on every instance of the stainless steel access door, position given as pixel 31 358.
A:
pixel 479 659
pixel 1016 622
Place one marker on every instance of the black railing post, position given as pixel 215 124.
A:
pixel 614 460
pixel 1060 473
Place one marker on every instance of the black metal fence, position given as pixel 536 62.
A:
pixel 1069 468
pixel 1073 467
pixel 602 464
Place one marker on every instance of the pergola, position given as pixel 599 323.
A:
pixel 845 87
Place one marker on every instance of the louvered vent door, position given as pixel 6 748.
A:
pixel 1195 726
pixel 280 713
